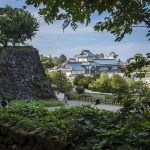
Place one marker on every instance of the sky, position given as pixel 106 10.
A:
pixel 51 40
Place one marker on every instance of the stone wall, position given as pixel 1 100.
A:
pixel 22 75
pixel 19 140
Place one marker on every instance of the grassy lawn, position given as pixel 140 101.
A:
pixel 40 102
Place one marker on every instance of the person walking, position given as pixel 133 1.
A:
pixel 65 99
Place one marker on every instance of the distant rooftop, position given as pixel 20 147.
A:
pixel 85 53
pixel 76 66
pixel 106 61
pixel 113 54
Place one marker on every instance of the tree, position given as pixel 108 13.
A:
pixel 139 103
pixel 56 61
pixel 50 62
pixel 62 59
pixel 80 89
pixel 16 26
pixel 96 75
pixel 99 56
pixel 77 79
pixel 47 62
pixel 60 82
pixel 130 82
pixel 68 87
pixel 122 15
pixel 137 63
pixel 82 80
pixel 139 88
pixel 119 86
pixel 96 56
pixel 102 84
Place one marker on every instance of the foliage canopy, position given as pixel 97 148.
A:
pixel 47 62
pixel 60 82
pixel 122 15
pixel 137 64
pixel 62 58
pixel 118 84
pixel 16 26
pixel 81 80
pixel 50 62
pixel 80 89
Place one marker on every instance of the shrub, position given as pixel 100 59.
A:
pixel 80 89
pixel 84 128
pixel 82 80
pixel 60 82
pixel 102 84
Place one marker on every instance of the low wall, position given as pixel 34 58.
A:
pixel 10 139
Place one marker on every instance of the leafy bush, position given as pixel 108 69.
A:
pixel 28 109
pixel 60 82
pixel 102 84
pixel 82 80
pixel 84 128
pixel 80 89
pixel 21 114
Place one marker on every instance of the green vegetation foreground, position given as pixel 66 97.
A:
pixel 84 128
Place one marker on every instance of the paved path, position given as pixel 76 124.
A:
pixel 108 107
pixel 72 103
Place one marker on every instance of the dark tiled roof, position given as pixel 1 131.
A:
pixel 84 53
pixel 112 54
pixel 106 62
pixel 76 66
pixel 87 52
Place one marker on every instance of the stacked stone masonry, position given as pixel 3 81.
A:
pixel 10 139
pixel 22 75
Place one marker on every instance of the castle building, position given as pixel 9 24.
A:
pixel 87 63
